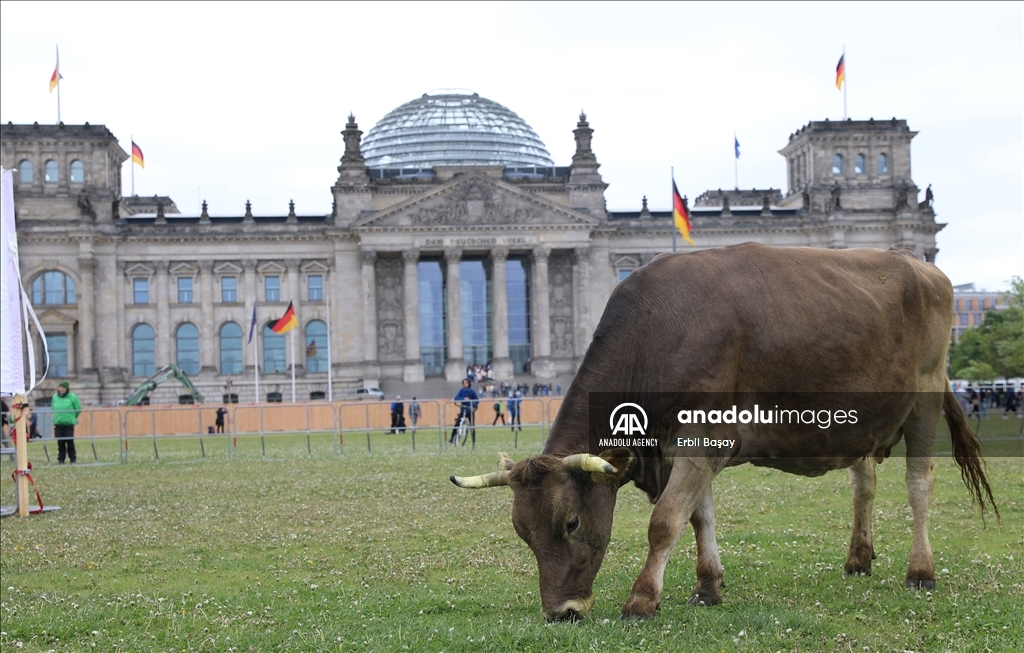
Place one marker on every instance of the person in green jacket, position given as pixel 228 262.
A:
pixel 66 409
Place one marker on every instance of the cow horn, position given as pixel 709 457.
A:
pixel 584 462
pixel 493 479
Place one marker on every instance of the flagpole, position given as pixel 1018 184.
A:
pixel 735 162
pixel 293 365
pixel 256 363
pixel 132 164
pixel 58 84
pixel 674 228
pixel 330 366
pixel 846 82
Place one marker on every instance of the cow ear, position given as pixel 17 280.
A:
pixel 621 458
pixel 504 463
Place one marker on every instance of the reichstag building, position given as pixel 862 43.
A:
pixel 454 239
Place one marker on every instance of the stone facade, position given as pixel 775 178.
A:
pixel 136 263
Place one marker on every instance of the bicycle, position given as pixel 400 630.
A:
pixel 461 429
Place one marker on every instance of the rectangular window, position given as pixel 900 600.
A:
pixel 272 289
pixel 140 291
pixel 57 347
pixel 184 290
pixel 624 273
pixel 970 304
pixel 228 289
pixel 315 286
pixel 963 319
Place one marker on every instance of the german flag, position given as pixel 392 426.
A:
pixel 841 72
pixel 311 349
pixel 287 322
pixel 55 77
pixel 679 214
pixel 137 156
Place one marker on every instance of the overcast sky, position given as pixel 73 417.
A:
pixel 246 101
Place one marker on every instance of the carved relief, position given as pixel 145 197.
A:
pixel 475 203
pixel 560 303
pixel 390 316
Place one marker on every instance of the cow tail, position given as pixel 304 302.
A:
pixel 967 452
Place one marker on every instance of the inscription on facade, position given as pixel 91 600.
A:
pixel 478 241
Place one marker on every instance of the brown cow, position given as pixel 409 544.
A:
pixel 743 319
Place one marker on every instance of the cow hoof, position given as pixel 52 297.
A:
pixel 920 583
pixel 706 600
pixel 637 610
pixel 852 569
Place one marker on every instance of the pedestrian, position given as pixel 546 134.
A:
pixel 498 414
pixel 66 409
pixel 221 412
pixel 414 413
pixel 397 415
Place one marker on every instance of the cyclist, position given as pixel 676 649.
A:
pixel 468 400
pixel 513 410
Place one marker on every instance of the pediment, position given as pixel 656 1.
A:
pixel 139 270
pixel 314 265
pixel 55 318
pixel 183 268
pixel 273 267
pixel 476 200
pixel 227 267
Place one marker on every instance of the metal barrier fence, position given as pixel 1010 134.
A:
pixel 112 434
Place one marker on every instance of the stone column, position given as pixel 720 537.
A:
pixel 502 364
pixel 581 317
pixel 249 284
pixel 455 367
pixel 541 365
pixel 114 350
pixel 371 369
pixel 163 325
pixel 86 316
pixel 207 336
pixel 413 369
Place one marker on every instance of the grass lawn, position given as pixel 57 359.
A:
pixel 377 551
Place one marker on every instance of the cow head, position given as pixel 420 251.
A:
pixel 562 509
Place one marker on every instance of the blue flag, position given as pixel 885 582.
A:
pixel 736 141
pixel 252 327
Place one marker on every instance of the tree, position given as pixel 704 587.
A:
pixel 998 343
pixel 975 372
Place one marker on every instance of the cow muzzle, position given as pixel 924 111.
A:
pixel 572 610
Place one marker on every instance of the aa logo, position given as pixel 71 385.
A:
pixel 628 422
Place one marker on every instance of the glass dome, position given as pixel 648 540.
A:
pixel 452 129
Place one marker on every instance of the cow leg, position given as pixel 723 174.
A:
pixel 862 478
pixel 921 572
pixel 710 573
pixel 919 434
pixel 687 484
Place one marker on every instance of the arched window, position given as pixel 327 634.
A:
pixel 316 347
pixel 77 175
pixel 187 343
pixel 883 164
pixel 273 352
pixel 53 287
pixel 50 172
pixel 231 349
pixel 837 164
pixel 25 172
pixel 858 165
pixel 143 351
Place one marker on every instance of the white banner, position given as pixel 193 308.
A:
pixel 12 364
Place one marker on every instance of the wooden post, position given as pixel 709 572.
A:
pixel 19 406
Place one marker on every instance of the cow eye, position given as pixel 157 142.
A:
pixel 573 524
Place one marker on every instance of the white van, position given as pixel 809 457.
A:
pixel 372 394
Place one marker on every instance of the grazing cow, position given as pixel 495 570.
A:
pixel 743 319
